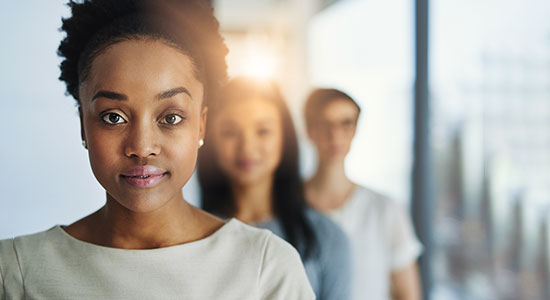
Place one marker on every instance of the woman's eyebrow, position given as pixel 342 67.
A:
pixel 110 95
pixel 172 92
pixel 267 121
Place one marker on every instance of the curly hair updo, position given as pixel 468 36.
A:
pixel 188 25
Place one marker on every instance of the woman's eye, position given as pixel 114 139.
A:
pixel 113 118
pixel 229 133
pixel 263 131
pixel 171 119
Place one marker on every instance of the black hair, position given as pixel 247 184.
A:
pixel 319 99
pixel 188 25
pixel 288 195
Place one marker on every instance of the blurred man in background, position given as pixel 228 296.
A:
pixel 383 244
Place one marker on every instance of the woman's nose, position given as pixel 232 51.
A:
pixel 246 142
pixel 142 141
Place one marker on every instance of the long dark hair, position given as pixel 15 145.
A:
pixel 288 194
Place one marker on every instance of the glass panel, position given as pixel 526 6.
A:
pixel 490 93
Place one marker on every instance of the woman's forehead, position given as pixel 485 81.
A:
pixel 251 109
pixel 142 66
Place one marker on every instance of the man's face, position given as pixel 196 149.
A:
pixel 333 129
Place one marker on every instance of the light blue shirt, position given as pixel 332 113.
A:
pixel 328 268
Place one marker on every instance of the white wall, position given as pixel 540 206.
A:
pixel 45 179
pixel 366 49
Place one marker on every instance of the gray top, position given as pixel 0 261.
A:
pixel 236 262
pixel 329 269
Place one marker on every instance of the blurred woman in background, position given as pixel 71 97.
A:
pixel 248 169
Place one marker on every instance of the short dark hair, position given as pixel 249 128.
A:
pixel 188 25
pixel 289 202
pixel 320 98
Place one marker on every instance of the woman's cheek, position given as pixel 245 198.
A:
pixel 273 144
pixel 225 154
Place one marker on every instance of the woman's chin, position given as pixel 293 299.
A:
pixel 144 203
pixel 248 179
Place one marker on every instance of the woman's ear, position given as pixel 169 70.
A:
pixel 202 130
pixel 309 131
pixel 82 132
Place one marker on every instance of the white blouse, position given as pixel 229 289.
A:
pixel 382 241
pixel 236 262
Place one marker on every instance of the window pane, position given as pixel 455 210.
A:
pixel 490 93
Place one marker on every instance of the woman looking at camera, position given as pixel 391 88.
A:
pixel 142 74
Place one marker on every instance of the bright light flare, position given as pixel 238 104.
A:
pixel 259 64
pixel 254 56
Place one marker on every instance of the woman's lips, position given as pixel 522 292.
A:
pixel 246 164
pixel 143 176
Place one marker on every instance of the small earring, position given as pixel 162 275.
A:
pixel 201 142
pixel 84 144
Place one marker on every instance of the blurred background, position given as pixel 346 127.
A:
pixel 456 122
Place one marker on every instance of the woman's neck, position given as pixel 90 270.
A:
pixel 159 227
pixel 115 226
pixel 253 201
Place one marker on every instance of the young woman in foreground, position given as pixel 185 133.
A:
pixel 141 73
pixel 248 169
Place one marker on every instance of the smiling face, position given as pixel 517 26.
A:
pixel 248 140
pixel 142 118
pixel 333 130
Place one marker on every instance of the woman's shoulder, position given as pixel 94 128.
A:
pixel 256 242
pixel 281 273
pixel 34 241
pixel 334 256
pixel 324 226
pixel 270 245
pixel 13 250
pixel 244 235
pixel 331 238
